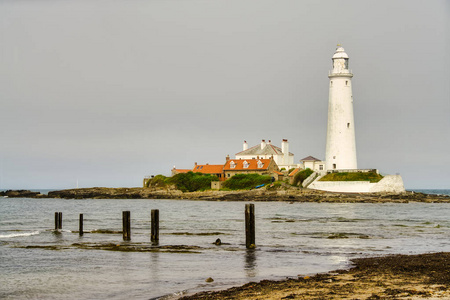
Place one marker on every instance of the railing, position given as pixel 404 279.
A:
pixel 353 171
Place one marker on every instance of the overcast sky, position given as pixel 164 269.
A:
pixel 108 91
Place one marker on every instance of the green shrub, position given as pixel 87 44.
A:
pixel 191 182
pixel 301 176
pixel 246 181
pixel 352 176
pixel 157 181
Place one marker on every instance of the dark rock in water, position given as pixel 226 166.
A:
pixel 209 279
pixel 20 194
pixel 218 242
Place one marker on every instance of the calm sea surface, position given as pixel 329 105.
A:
pixel 292 239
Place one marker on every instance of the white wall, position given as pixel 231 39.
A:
pixel 389 184
pixel 314 165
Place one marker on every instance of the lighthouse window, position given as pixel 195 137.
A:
pixel 331 82
pixel 348 125
pixel 346 82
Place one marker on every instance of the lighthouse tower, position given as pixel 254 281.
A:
pixel 341 146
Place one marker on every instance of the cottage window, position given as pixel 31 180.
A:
pixel 320 167
pixel 246 164
pixel 260 164
pixel 232 165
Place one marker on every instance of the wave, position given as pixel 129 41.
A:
pixel 12 235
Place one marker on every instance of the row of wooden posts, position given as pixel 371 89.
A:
pixel 154 233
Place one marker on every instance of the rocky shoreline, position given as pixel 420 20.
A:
pixel 423 276
pixel 290 194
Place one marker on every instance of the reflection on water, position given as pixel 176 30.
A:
pixel 250 265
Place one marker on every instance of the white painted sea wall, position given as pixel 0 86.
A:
pixel 342 186
pixel 389 184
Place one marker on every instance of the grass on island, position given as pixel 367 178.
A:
pixel 246 181
pixel 352 176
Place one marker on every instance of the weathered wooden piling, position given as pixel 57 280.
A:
pixel 56 221
pixel 60 220
pixel 155 226
pixel 126 225
pixel 250 226
pixel 81 225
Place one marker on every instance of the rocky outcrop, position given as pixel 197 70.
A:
pixel 21 194
pixel 289 194
pixel 285 193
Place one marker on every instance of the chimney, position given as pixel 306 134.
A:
pixel 270 142
pixel 227 158
pixel 195 163
pixel 285 150
pixel 284 146
pixel 245 146
pixel 263 144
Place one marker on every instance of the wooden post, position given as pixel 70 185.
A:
pixel 126 225
pixel 56 221
pixel 250 226
pixel 81 225
pixel 60 220
pixel 155 226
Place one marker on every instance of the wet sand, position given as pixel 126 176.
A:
pixel 425 276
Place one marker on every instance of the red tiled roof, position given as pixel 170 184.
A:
pixel 182 170
pixel 279 173
pixel 294 172
pixel 208 169
pixel 252 164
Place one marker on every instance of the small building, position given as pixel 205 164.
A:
pixel 282 157
pixel 250 166
pixel 277 175
pixel 313 163
pixel 291 175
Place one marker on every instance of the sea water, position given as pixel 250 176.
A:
pixel 291 239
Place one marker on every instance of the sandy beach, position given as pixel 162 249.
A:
pixel 425 276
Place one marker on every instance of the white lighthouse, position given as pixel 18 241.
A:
pixel 341 146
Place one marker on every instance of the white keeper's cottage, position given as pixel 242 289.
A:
pixel 282 157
